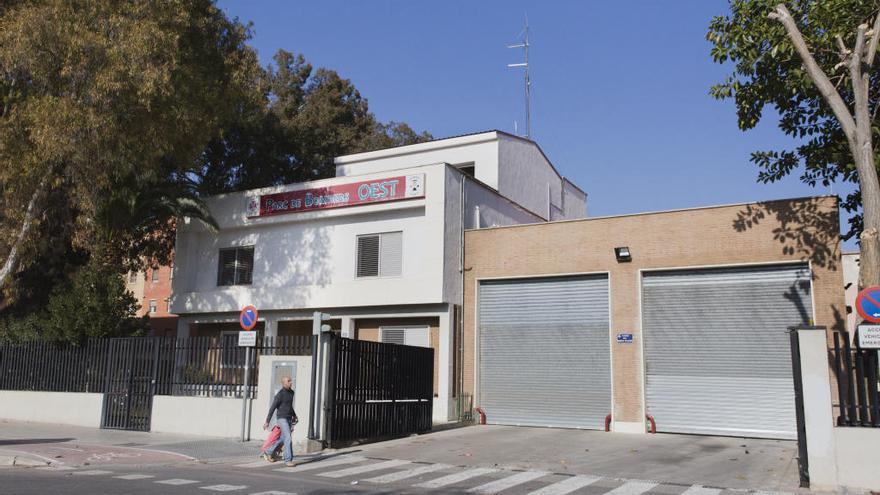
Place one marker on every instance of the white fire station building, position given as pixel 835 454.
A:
pixel 379 247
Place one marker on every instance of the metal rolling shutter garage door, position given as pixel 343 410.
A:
pixel 717 350
pixel 544 351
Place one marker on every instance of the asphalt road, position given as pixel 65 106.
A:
pixel 194 478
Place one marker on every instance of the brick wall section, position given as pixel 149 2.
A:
pixel 368 329
pixel 804 229
pixel 160 290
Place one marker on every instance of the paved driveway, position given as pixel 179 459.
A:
pixel 727 462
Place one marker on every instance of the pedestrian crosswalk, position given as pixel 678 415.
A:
pixel 414 476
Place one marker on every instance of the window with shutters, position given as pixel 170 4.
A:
pixel 416 336
pixel 379 255
pixel 236 266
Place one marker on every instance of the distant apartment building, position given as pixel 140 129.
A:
pixel 152 289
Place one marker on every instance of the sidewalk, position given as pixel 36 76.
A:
pixel 73 445
pixel 728 462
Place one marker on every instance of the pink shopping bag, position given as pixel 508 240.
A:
pixel 274 435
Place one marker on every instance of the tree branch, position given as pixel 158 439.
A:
pixel 872 44
pixel 831 96
pixel 860 88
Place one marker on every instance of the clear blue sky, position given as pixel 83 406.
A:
pixel 620 98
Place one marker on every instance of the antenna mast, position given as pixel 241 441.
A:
pixel 525 46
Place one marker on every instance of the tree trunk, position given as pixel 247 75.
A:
pixel 14 257
pixel 857 128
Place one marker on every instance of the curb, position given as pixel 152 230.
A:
pixel 22 461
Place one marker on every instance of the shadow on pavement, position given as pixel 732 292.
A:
pixel 27 441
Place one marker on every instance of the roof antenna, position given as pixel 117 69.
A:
pixel 524 44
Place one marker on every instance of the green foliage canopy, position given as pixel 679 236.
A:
pixel 767 71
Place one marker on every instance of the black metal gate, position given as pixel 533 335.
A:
pixel 378 390
pixel 131 371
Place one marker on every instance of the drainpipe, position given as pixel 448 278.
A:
pixel 461 302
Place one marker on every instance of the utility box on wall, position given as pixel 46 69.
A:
pixel 272 370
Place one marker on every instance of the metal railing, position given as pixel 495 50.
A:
pixel 858 388
pixel 196 366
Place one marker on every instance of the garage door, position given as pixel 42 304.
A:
pixel 544 351
pixel 717 352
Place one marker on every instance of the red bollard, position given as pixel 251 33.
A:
pixel 608 423
pixel 653 423
pixel 482 415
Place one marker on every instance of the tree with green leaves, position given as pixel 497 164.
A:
pixel 107 104
pixel 814 62
pixel 295 122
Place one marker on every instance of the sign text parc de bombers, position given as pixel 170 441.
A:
pixel 337 196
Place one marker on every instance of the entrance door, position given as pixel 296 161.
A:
pixel 717 352
pixel 131 373
pixel 544 351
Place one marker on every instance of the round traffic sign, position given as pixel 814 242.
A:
pixel 248 317
pixel 868 304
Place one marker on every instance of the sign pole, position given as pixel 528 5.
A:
pixel 244 395
pixel 247 338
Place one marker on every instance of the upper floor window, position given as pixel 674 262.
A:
pixel 155 274
pixel 153 306
pixel 132 277
pixel 236 266
pixel 379 255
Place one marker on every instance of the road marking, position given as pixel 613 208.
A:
pixel 224 488
pixel 508 482
pixel 177 481
pixel 701 490
pixel 409 473
pixel 567 485
pixel 56 468
pixel 273 492
pixel 333 461
pixel 135 476
pixel 364 469
pixel 261 462
pixel 455 478
pixel 91 472
pixel 632 488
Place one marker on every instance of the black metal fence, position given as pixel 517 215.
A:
pixel 51 367
pixel 858 387
pixel 378 390
pixel 206 366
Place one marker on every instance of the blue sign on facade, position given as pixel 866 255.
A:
pixel 624 338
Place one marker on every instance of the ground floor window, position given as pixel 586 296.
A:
pixel 419 336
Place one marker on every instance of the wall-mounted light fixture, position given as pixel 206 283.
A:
pixel 622 254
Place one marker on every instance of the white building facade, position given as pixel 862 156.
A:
pixel 378 247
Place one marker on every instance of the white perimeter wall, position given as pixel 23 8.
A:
pixel 307 260
pixel 211 416
pixel 839 457
pixel 68 408
pixel 221 417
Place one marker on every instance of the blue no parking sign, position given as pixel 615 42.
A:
pixel 868 304
pixel 248 318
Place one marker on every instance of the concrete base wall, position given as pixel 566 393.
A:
pixel 858 450
pixel 69 408
pixel 211 416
